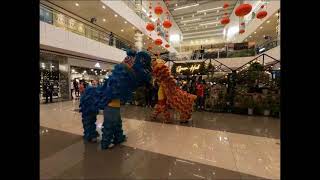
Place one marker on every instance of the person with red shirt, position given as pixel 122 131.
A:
pixel 200 95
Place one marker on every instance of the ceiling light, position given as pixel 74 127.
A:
pixel 268 21
pixel 261 27
pixel 190 20
pixel 201 32
pixel 209 9
pixel 255 32
pixel 116 15
pixel 122 30
pixel 184 7
pixel 176 5
pixel 104 20
pixel 209 23
pixel 218 11
pixel 103 7
pixel 133 27
pixel 125 22
pixel 250 36
pixel 77 4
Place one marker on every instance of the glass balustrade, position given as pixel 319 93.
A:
pixel 68 23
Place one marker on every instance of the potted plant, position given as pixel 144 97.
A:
pixel 265 91
pixel 275 108
pixel 266 105
pixel 249 104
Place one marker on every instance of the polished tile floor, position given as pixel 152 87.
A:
pixel 211 146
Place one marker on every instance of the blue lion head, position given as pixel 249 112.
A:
pixel 142 68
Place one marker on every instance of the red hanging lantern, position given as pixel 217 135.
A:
pixel 226 5
pixel 262 14
pixel 167 24
pixel 242 28
pixel 243 9
pixel 225 20
pixel 158 10
pixel 150 27
pixel 167 46
pixel 158 42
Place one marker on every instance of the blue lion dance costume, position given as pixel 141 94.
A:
pixel 89 110
pixel 133 72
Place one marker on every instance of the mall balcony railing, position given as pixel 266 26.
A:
pixel 267 45
pixel 83 28
pixel 136 6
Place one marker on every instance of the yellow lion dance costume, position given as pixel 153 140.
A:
pixel 170 95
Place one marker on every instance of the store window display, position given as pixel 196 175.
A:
pixel 53 72
pixel 86 76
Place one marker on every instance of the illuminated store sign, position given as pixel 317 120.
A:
pixel 192 68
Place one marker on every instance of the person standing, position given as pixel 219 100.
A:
pixel 81 88
pixel 155 93
pixel 200 95
pixel 111 39
pixel 148 95
pixel 76 88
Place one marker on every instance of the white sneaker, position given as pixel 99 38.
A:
pixel 111 146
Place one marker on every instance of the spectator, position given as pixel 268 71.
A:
pixel 148 95
pixel 111 39
pixel 76 88
pixel 81 87
pixel 200 95
pixel 155 93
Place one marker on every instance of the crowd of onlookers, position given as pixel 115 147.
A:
pixel 207 92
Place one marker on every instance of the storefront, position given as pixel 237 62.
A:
pixel 54 70
pixel 60 70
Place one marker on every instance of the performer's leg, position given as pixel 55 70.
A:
pixel 89 126
pixel 167 115
pixel 156 112
pixel 119 137
pixel 107 130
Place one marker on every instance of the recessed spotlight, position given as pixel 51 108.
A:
pixel 255 32
pixel 133 27
pixel 268 21
pixel 125 22
pixel 103 7
pixel 104 20
pixel 122 30
pixel 116 15
pixel 77 4
pixel 176 5
pixel 250 36
pixel 261 27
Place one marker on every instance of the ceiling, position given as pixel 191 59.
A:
pixel 268 29
pixel 200 19
pixel 105 16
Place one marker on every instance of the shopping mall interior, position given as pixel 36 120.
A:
pixel 205 105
